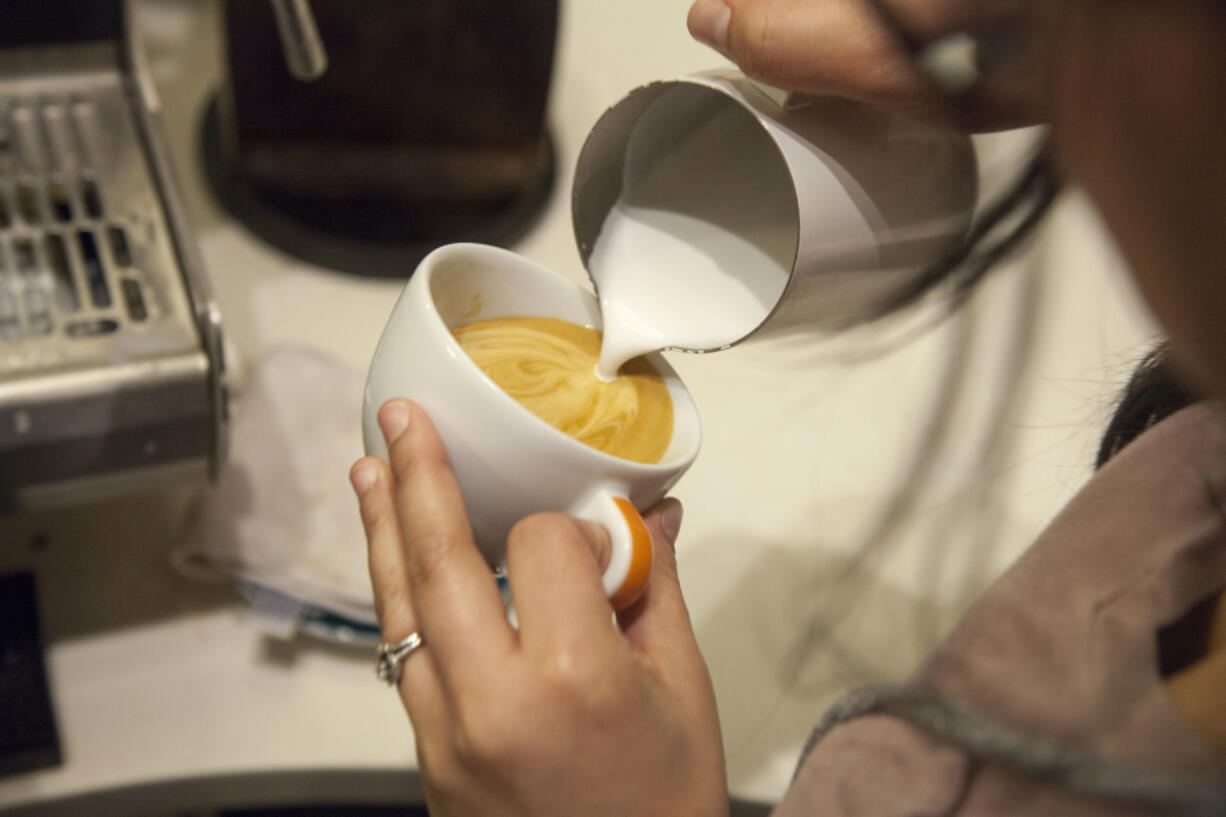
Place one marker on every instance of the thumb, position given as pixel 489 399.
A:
pixel 659 622
pixel 839 49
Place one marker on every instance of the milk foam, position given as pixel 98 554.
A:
pixel 698 248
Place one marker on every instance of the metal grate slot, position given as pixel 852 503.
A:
pixel 66 296
pixel 121 251
pixel 27 203
pixel 61 201
pixel 85 130
pixel 10 321
pixel 28 142
pixel 91 328
pixel 6 148
pixel 38 312
pixel 57 142
pixel 27 261
pixel 91 199
pixel 6 220
pixel 134 299
pixel 95 275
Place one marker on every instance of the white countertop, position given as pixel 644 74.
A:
pixel 839 518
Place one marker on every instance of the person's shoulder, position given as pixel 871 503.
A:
pixel 1190 441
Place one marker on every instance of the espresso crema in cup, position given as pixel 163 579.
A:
pixel 549 366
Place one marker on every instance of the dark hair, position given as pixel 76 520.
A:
pixel 1004 226
pixel 1153 393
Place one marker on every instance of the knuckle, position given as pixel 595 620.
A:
pixel 577 681
pixel 751 40
pixel 379 521
pixel 539 526
pixel 392 607
pixel 439 765
pixel 416 448
pixel 557 530
pixel 664 564
pixel 540 533
pixel 401 455
pixel 483 739
pixel 604 699
pixel 426 558
pixel 564 671
pixel 883 72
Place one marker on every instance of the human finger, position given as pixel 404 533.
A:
pixel 372 482
pixel 554 567
pixel 453 593
pixel 659 619
pixel 658 627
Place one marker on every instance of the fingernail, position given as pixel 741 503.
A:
pixel 708 22
pixel 393 419
pixel 670 520
pixel 363 477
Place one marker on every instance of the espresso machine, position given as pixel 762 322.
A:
pixel 112 374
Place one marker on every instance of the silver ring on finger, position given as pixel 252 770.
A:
pixel 389 657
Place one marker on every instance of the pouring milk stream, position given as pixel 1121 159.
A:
pixel 730 284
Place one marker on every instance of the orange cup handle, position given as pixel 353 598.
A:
pixel 625 577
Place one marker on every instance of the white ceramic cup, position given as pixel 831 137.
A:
pixel 509 463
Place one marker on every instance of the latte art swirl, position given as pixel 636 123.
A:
pixel 549 366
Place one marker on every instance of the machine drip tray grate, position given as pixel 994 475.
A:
pixel 111 372
pixel 67 260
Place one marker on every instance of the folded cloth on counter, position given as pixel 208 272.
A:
pixel 283 514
